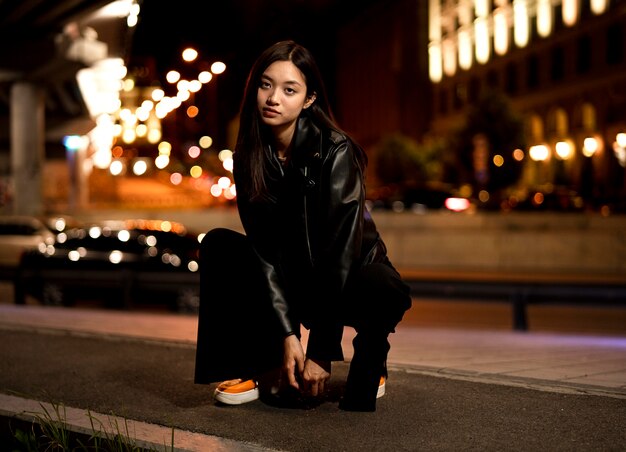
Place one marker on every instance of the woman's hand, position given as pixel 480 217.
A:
pixel 306 375
pixel 293 360
pixel 316 374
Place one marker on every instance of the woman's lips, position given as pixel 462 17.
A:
pixel 270 113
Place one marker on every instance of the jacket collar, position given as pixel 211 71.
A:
pixel 307 140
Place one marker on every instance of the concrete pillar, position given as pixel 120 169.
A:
pixel 78 193
pixel 27 148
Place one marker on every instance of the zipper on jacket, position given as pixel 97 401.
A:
pixel 306 218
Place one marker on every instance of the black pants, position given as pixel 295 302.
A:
pixel 237 330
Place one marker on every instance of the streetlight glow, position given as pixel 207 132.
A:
pixel 172 76
pixel 590 146
pixel 218 67
pixel 205 77
pixel 190 54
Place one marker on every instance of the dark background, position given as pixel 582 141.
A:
pixel 236 32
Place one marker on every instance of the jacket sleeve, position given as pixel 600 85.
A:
pixel 342 198
pixel 257 220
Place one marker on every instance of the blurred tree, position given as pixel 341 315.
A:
pixel 400 160
pixel 484 145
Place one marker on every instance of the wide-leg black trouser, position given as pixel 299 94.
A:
pixel 238 335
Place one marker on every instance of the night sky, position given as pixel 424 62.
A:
pixel 237 31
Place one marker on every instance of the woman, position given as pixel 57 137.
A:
pixel 311 255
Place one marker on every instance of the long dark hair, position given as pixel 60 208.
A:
pixel 253 135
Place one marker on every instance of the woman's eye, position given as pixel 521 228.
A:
pixel 290 90
pixel 265 85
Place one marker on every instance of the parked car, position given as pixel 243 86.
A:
pixel 123 263
pixel 19 234
pixel 418 199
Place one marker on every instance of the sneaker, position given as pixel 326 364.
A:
pixel 236 392
pixel 381 388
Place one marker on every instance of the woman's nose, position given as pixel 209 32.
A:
pixel 271 98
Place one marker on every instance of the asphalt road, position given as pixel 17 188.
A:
pixel 152 382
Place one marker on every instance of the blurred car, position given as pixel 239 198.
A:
pixel 417 199
pixel 19 234
pixel 123 263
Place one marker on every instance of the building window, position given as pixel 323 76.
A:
pixel 521 31
pixel 473 90
pixel 532 76
pixel 583 55
pixel 557 61
pixel 501 30
pixel 493 80
pixel 615 44
pixel 460 95
pixel 599 6
pixel 545 18
pixel 570 10
pixel 443 101
pixel 466 55
pixel 510 83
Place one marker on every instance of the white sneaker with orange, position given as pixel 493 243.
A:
pixel 236 392
pixel 381 388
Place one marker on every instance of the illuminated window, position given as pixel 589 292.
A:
pixel 465 49
pixel 481 30
pixel 520 22
pixel 434 62
pixel 434 20
pixel 449 57
pixel 501 30
pixel 483 44
pixel 599 6
pixel 545 19
pixel 570 11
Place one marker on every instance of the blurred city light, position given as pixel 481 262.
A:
pixel 140 167
pixel 539 152
pixel 205 142
pixel 73 142
pixel 172 76
pixel 194 152
pixel 218 67
pixel 205 77
pixel 116 168
pixel 590 146
pixel 176 178
pixel 518 155
pixel 123 235
pixel 195 171
pixel 457 204
pixel 116 256
pixel 564 149
pixel 95 232
pixel 189 54
pixel 161 161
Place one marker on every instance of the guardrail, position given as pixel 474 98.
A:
pixel 520 289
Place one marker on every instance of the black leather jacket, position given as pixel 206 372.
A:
pixel 312 233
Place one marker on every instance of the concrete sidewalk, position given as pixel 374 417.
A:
pixel 529 364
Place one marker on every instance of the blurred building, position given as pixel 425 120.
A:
pixel 382 71
pixel 562 64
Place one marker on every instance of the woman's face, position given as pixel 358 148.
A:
pixel 281 95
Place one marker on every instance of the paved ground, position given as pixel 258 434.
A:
pixel 449 388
